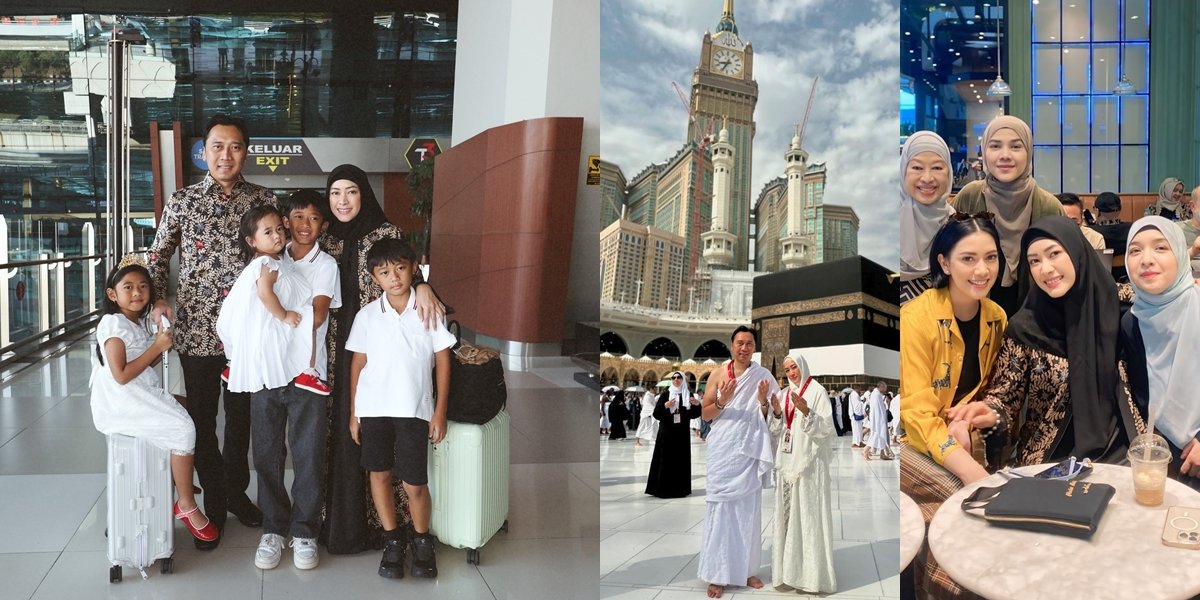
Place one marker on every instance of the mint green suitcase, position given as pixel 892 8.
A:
pixel 468 482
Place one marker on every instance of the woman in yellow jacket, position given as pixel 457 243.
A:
pixel 949 338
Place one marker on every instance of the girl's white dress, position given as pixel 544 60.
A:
pixel 140 408
pixel 263 351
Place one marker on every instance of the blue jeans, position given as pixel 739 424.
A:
pixel 302 415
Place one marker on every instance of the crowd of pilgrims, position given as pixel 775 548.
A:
pixel 1020 343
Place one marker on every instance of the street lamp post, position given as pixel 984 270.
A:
pixel 669 303
pixel 639 291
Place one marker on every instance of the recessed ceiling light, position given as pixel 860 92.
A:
pixel 1133 17
pixel 1051 37
pixel 1066 50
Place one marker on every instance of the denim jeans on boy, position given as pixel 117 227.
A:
pixel 302 414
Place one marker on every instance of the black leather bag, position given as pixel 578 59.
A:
pixel 1070 508
pixel 477 390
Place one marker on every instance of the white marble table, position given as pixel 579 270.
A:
pixel 1124 559
pixel 912 530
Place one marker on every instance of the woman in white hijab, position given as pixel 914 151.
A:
pixel 671 466
pixel 1160 339
pixel 924 186
pixel 801 428
pixel 1170 204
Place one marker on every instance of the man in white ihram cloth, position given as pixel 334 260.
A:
pixel 802 555
pixel 878 440
pixel 857 416
pixel 740 461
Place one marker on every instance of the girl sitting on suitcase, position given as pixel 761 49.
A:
pixel 392 405
pixel 127 397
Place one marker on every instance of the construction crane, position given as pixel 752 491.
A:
pixel 700 198
pixel 702 139
pixel 811 94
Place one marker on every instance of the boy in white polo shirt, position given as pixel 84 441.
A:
pixel 392 401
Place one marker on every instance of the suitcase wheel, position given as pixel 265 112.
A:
pixel 114 574
pixel 167 565
pixel 472 556
pixel 504 527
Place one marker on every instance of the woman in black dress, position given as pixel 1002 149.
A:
pixel 671 467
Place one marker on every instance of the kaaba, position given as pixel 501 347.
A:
pixel 849 309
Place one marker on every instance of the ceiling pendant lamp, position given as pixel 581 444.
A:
pixel 999 87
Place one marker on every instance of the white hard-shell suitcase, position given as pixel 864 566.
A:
pixel 468 481
pixel 141 528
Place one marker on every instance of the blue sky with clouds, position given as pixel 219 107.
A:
pixel 852 45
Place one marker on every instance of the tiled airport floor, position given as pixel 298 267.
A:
pixel 53 506
pixel 649 546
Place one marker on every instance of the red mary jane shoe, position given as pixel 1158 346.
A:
pixel 207 533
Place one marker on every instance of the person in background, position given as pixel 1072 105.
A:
pixel 1170 204
pixel 1073 207
pixel 671 465
pixel 1191 232
pixel 1115 232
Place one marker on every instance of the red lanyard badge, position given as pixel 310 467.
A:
pixel 792 403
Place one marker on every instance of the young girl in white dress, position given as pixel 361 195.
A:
pixel 127 396
pixel 266 304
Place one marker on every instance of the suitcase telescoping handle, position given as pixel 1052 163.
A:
pixel 166 325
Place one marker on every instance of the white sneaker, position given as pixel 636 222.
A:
pixel 304 553
pixel 270 550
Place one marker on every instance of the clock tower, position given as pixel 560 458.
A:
pixel 724 93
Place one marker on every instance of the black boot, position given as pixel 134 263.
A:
pixel 392 565
pixel 424 563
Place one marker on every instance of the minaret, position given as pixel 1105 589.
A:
pixel 719 243
pixel 795 251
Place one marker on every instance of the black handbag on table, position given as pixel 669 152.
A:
pixel 1071 508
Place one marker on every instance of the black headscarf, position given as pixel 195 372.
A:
pixel 1081 326
pixel 369 218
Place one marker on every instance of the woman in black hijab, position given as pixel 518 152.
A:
pixel 1059 355
pixel 351 523
pixel 671 467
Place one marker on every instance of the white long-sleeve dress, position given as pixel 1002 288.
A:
pixel 141 407
pixel 647 424
pixel 263 351
pixel 803 549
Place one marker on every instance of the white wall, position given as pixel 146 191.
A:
pixel 527 59
pixel 852 359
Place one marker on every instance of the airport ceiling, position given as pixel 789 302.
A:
pixel 208 7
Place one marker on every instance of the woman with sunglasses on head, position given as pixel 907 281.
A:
pixel 1160 338
pixel 1010 193
pixel 1059 357
pixel 950 336
pixel 671 466
pixel 924 187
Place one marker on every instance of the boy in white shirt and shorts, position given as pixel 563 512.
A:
pixel 393 413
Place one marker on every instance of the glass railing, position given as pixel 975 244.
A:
pixel 52 283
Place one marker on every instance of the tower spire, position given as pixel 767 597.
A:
pixel 727 10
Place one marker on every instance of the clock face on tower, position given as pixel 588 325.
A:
pixel 727 62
